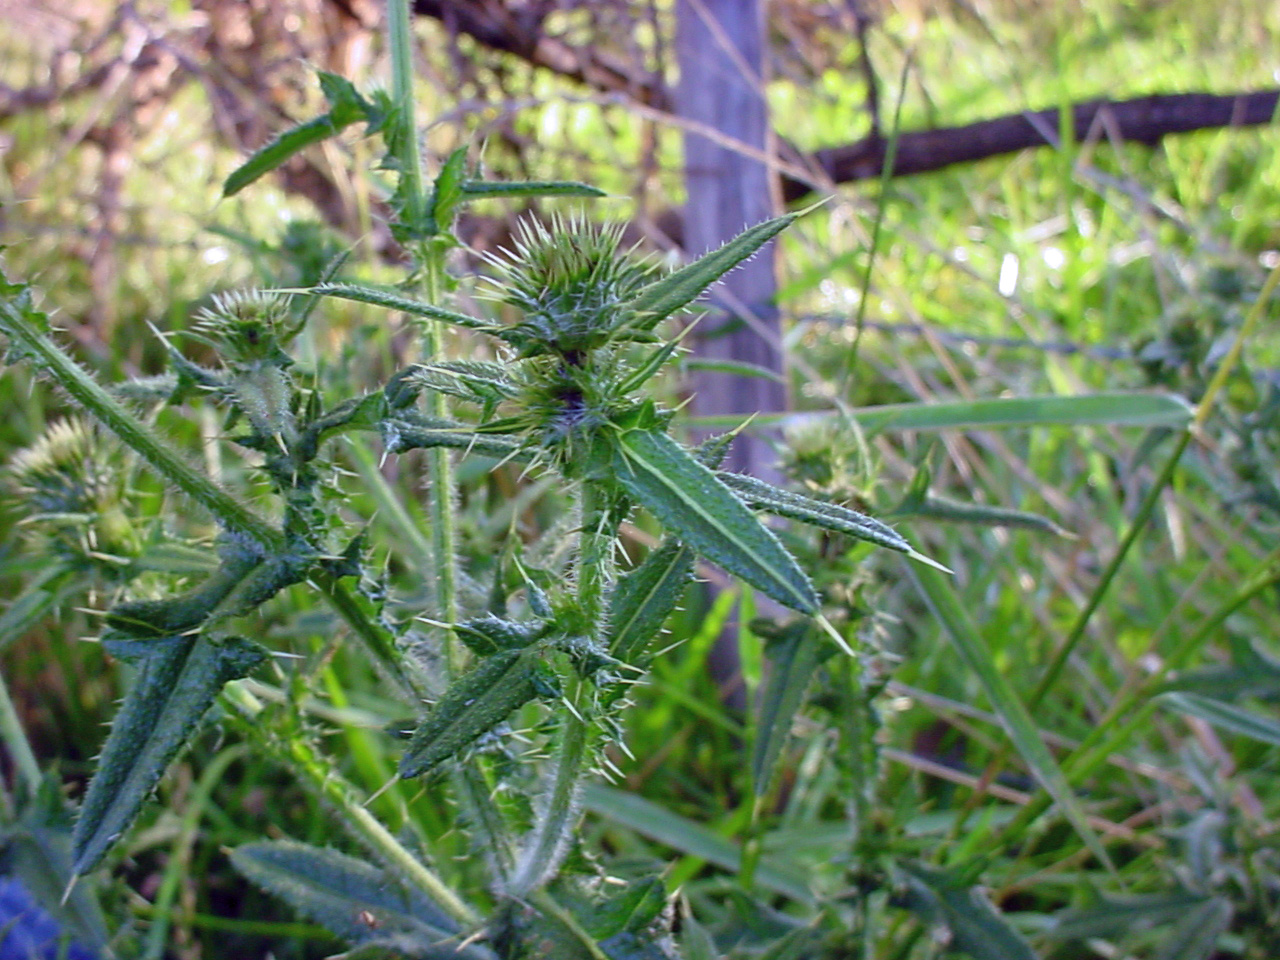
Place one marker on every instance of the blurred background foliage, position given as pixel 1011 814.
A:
pixel 1098 265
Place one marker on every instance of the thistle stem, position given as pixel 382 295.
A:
pixel 549 839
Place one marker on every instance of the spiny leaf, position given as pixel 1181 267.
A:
pixel 642 600
pixel 472 706
pixel 346 107
pixel 393 301
pixel 795 657
pixel 178 680
pixel 170 616
pixel 697 508
pixel 353 899
pixel 664 297
pixel 975 926
pixel 795 506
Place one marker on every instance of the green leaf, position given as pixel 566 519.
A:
pixel 1115 916
pixel 664 297
pixel 972 647
pixel 346 107
pixel 642 600
pixel 42 596
pixel 484 189
pixel 829 516
pixel 693 839
pixel 1253 673
pixel 178 680
pixel 738 368
pixel 447 194
pixel 1100 409
pixel 974 925
pixel 472 380
pixel 1195 935
pixel 1226 716
pixel 488 635
pixel 353 899
pixel 935 507
pixel 698 509
pixel 794 657
pixel 393 301
pixel 472 706
pixel 630 911
pixel 145 619
pixel 410 432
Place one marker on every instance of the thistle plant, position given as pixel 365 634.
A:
pixel 552 648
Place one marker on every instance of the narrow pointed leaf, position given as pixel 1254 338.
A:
pixel 281 148
pixel 689 837
pixel 829 516
pixel 642 600
pixel 664 297
pixel 974 926
pixel 393 301
pixel 472 706
pixel 794 659
pixel 483 189
pixel 346 107
pixel 697 508
pixel 1195 935
pixel 409 433
pixel 963 633
pixel 178 680
pixel 1226 716
pixel 1115 916
pixel 1121 409
pixel 352 899
pixel 934 507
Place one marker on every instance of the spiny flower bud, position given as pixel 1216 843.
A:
pixel 570 280
pixel 247 328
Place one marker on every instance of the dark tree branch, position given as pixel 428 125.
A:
pixel 518 31
pixel 1141 120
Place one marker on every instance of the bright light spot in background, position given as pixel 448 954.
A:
pixel 215 255
pixel 960 254
pixel 837 295
pixel 1008 275
pixel 1054 258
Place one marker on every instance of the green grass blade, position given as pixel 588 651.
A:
pixel 178 680
pixel 700 510
pixel 484 189
pixel 1227 716
pixel 969 643
pixel 690 838
pixel 1096 409
pixel 975 927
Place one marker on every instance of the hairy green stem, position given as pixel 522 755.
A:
pixel 560 808
pixel 405 142
pixel 90 395
pixel 317 774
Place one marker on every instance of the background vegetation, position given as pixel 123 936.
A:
pixel 1097 266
